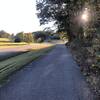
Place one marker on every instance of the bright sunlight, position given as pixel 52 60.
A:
pixel 18 15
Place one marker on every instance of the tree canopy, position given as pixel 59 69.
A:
pixel 65 13
pixel 4 34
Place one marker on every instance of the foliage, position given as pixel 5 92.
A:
pixel 39 36
pixel 4 34
pixel 63 12
pixel 85 36
pixel 17 39
pixel 24 37
pixel 63 36
pixel 20 36
pixel 88 59
pixel 28 37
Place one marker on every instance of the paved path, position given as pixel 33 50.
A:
pixel 53 77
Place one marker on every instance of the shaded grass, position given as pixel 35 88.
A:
pixel 15 63
pixel 9 55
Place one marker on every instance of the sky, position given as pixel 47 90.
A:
pixel 19 15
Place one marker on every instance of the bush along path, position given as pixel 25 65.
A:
pixel 88 58
pixel 55 76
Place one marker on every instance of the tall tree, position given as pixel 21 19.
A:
pixel 63 12
pixel 4 34
pixel 28 37
pixel 20 35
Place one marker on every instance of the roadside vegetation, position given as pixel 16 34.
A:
pixel 10 54
pixel 79 22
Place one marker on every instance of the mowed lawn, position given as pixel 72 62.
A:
pixel 7 44
pixel 9 49
pixel 23 48
pixel 12 64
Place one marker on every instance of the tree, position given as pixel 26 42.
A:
pixel 28 37
pixel 39 36
pixel 17 39
pixel 63 12
pixel 4 34
pixel 20 35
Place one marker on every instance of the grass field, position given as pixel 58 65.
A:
pixel 14 45
pixel 4 40
pixel 14 50
pixel 14 63
pixel 5 43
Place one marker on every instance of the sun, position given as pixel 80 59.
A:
pixel 85 15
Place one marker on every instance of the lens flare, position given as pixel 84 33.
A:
pixel 85 16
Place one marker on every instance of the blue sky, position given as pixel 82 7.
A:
pixel 19 15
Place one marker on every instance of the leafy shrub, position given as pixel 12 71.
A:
pixel 17 39
pixel 39 37
pixel 28 37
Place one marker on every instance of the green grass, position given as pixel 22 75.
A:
pixel 9 66
pixel 13 54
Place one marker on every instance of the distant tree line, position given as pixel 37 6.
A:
pixel 24 37
pixel 37 37
pixel 4 34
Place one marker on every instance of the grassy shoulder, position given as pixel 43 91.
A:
pixel 18 45
pixel 4 42
pixel 9 55
pixel 10 65
pixel 11 51
pixel 11 44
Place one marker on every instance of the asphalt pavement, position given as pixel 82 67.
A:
pixel 54 76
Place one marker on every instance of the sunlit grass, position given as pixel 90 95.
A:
pixel 6 45
pixel 33 45
pixel 37 46
pixel 3 40
pixel 20 49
